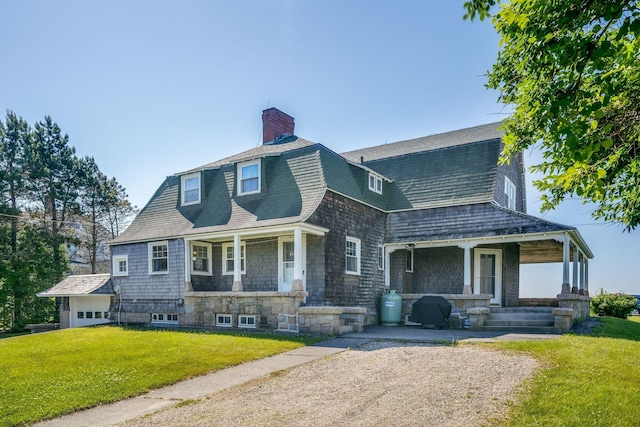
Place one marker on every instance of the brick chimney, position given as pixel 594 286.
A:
pixel 276 124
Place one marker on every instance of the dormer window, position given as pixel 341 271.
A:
pixel 375 183
pixel 249 177
pixel 190 189
pixel 509 194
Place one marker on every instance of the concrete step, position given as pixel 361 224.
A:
pixel 500 310
pixel 518 323
pixel 520 316
pixel 522 329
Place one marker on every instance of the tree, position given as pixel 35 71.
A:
pixel 54 179
pixel 14 138
pixel 571 72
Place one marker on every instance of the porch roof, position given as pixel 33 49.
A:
pixel 540 240
pixel 80 285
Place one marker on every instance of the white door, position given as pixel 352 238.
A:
pixel 487 272
pixel 286 263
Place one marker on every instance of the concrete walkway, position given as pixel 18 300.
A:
pixel 119 412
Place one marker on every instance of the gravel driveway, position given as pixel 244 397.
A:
pixel 379 384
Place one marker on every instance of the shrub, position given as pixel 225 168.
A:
pixel 615 305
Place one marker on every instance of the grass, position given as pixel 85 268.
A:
pixel 50 374
pixel 587 381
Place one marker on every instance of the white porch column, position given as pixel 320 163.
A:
pixel 576 259
pixel 387 266
pixel 466 290
pixel 586 277
pixel 565 264
pixel 297 284
pixel 581 290
pixel 237 270
pixel 188 264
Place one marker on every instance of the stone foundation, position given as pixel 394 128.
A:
pixel 201 308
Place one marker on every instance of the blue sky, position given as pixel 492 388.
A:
pixel 151 88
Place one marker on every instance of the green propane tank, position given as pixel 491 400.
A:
pixel 391 310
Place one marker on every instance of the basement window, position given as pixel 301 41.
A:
pixel 164 318
pixel 224 320
pixel 245 321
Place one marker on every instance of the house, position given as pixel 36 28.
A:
pixel 84 299
pixel 292 235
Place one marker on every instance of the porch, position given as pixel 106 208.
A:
pixel 543 315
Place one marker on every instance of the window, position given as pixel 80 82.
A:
pixel 245 321
pixel 352 252
pixel 89 314
pixel 81 315
pixel 228 258
pixel 164 318
pixel 97 315
pixel 190 189
pixel 409 260
pixel 201 258
pixel 225 320
pixel 158 257
pixel 120 265
pixel 249 177
pixel 509 194
pixel 375 183
pixel 380 257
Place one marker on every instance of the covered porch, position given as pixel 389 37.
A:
pixel 480 277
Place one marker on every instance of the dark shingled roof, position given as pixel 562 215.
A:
pixel 296 173
pixel 432 142
pixel 86 284
pixel 464 222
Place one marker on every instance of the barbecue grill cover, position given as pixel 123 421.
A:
pixel 431 310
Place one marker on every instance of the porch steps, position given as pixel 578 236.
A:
pixel 521 319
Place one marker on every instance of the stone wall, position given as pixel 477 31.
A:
pixel 331 320
pixel 200 308
pixel 460 302
pixel 580 304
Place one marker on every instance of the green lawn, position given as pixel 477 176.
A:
pixel 45 375
pixel 588 381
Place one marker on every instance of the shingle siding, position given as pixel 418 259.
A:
pixel 345 217
pixel 514 170
pixel 141 291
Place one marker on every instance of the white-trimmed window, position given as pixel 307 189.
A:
pixel 380 257
pixel 81 315
pixel 509 194
pixel 120 265
pixel 249 177
pixel 228 258
pixel 375 183
pixel 158 257
pixel 225 320
pixel 190 189
pixel 164 318
pixel 352 253
pixel 246 321
pixel 409 260
pixel 201 258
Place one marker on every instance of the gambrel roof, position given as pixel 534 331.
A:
pixel 436 187
pixel 296 175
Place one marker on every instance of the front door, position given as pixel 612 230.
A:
pixel 286 263
pixel 487 272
